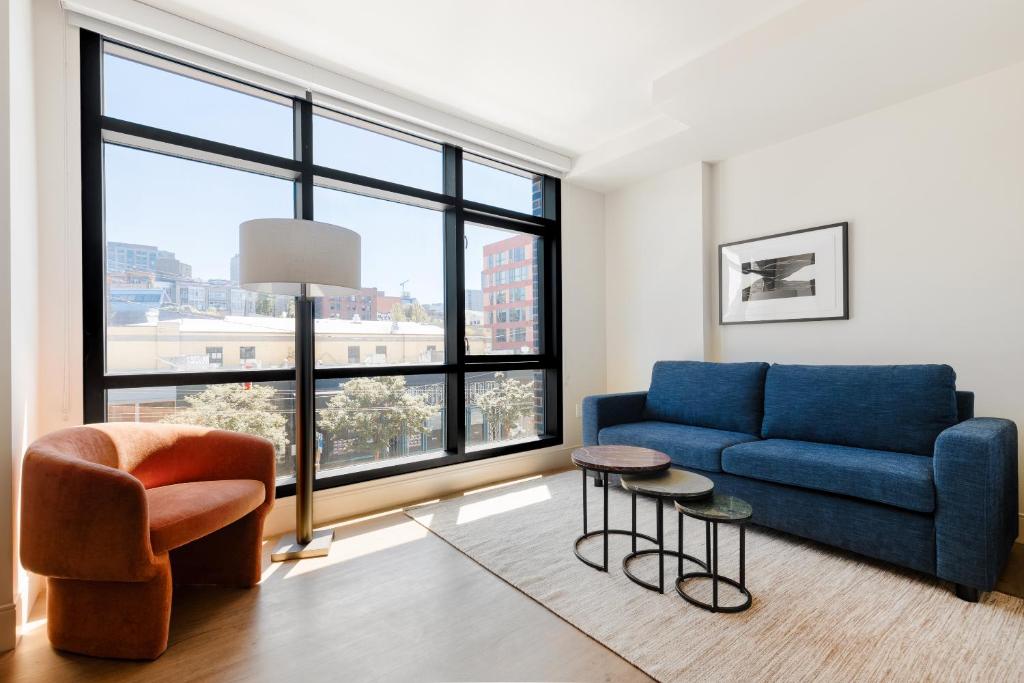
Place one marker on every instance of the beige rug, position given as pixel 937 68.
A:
pixel 818 614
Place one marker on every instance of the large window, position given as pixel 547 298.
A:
pixel 448 352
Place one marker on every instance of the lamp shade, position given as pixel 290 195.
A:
pixel 279 255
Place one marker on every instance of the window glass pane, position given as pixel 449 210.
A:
pixel 398 315
pixel 265 409
pixel 370 422
pixel 155 92
pixel 173 302
pixel 498 185
pixel 358 147
pixel 502 292
pixel 503 407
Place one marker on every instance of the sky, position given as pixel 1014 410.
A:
pixel 193 209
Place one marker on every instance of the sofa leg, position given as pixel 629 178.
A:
pixel 967 593
pixel 232 556
pixel 123 620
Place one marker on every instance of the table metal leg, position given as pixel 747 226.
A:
pixel 605 526
pixel 682 550
pixel 661 545
pixel 634 521
pixel 707 545
pixel 743 557
pixel 584 501
pixel 714 572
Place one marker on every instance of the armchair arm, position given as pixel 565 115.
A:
pixel 83 520
pixel 610 409
pixel 174 454
pixel 976 500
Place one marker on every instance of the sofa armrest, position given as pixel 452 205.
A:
pixel 83 520
pixel 976 500
pixel 610 409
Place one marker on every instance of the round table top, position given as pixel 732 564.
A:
pixel 671 483
pixel 717 508
pixel 620 459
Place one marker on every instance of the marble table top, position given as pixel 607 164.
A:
pixel 620 459
pixel 717 508
pixel 670 483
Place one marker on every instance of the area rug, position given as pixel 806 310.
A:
pixel 817 614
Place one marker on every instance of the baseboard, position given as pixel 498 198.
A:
pixel 9 624
pixel 399 491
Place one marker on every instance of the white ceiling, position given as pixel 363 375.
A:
pixel 628 87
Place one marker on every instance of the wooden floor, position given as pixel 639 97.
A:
pixel 392 602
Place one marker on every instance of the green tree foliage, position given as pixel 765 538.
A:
pixel 373 411
pixel 265 305
pixel 504 404
pixel 236 407
pixel 409 313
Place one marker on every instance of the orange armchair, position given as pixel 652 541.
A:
pixel 112 514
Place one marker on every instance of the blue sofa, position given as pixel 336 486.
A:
pixel 885 461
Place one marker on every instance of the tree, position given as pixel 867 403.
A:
pixel 265 305
pixel 504 404
pixel 236 407
pixel 409 313
pixel 374 411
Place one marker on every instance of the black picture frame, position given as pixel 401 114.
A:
pixel 844 227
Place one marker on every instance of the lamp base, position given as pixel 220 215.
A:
pixel 288 548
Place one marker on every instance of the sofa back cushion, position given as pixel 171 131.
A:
pixel 728 396
pixel 899 408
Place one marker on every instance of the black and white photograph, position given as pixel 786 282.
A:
pixel 788 277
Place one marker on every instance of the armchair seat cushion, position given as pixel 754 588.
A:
pixel 902 480
pixel 182 513
pixel 692 447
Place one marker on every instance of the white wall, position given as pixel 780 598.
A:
pixel 654 274
pixel 933 189
pixel 20 298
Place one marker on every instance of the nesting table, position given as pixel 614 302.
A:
pixel 717 509
pixel 605 460
pixel 647 472
pixel 671 484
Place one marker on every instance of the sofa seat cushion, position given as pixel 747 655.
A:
pixel 181 513
pixel 692 447
pixel 727 396
pixel 902 480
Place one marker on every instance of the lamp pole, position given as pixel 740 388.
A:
pixel 300 257
pixel 305 418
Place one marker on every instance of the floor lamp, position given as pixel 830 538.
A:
pixel 304 259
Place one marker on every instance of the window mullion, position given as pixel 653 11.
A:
pixel 455 309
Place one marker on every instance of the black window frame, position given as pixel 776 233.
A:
pixel 98 130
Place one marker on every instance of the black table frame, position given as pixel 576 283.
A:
pixel 602 481
pixel 711 545
pixel 660 550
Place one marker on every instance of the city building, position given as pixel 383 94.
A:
pixel 147 344
pixel 474 300
pixel 510 294
pixel 369 303
pixel 124 256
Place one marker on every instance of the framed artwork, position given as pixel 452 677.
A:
pixel 789 277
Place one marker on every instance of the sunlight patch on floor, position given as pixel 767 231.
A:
pixel 350 547
pixel 471 512
pixel 502 485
